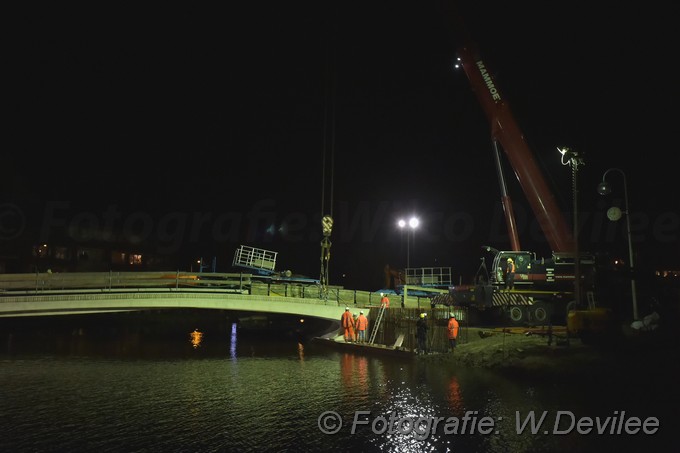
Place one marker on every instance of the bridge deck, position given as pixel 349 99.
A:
pixel 85 292
pixel 60 293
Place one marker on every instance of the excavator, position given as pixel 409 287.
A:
pixel 545 290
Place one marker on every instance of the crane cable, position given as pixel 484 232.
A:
pixel 328 104
pixel 327 220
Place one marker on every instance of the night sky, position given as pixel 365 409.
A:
pixel 216 127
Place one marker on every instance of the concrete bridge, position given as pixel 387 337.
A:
pixel 59 294
pixel 79 302
pixel 77 293
pixel 69 294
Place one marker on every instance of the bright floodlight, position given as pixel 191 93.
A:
pixel 412 223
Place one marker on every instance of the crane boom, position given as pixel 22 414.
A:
pixel 521 287
pixel 504 129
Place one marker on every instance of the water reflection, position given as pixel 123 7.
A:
pixel 232 342
pixel 409 426
pixel 87 392
pixel 355 379
pixel 362 372
pixel 195 338
pixel 455 397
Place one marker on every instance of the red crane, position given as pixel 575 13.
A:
pixel 504 130
pixel 534 289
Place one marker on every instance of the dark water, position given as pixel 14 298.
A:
pixel 136 393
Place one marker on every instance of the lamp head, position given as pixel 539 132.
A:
pixel 413 222
pixel 614 213
pixel 603 188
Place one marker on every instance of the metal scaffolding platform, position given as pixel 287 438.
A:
pixel 428 276
pixel 264 261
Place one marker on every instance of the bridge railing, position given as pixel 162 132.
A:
pixel 47 283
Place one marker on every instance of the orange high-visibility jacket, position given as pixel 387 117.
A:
pixel 347 320
pixel 362 322
pixel 452 329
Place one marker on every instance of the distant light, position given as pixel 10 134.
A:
pixel 603 188
pixel 195 338
pixel 232 343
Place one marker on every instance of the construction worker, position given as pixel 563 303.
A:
pixel 421 333
pixel 384 300
pixel 452 331
pixel 347 322
pixel 353 329
pixel 510 274
pixel 362 327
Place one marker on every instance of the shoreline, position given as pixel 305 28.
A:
pixel 531 355
pixel 527 355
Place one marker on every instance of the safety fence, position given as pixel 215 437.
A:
pixel 402 321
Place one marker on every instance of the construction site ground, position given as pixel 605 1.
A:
pixel 529 352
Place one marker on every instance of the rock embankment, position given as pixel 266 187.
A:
pixel 531 354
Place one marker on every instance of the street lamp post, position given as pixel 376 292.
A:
pixel 412 224
pixel 614 214
pixel 573 159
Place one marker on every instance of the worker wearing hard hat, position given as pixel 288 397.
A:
pixel 452 331
pixel 362 326
pixel 384 300
pixel 510 274
pixel 347 322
